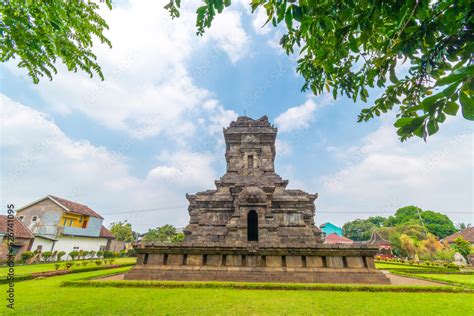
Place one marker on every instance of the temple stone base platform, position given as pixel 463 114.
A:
pixel 322 264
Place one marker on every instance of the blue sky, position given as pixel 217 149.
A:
pixel 152 131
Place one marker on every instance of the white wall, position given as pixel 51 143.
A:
pixel 67 244
pixel 46 243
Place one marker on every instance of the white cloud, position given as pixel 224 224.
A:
pixel 258 22
pixel 148 90
pixel 296 117
pixel 383 174
pixel 283 148
pixel 229 34
pixel 39 159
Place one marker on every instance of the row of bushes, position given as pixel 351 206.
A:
pixel 24 277
pixel 263 286
pixel 48 256
pixel 417 263
pixel 70 264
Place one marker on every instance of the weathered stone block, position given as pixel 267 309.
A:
pixel 156 259
pixel 233 261
pixel 140 258
pixel 370 262
pixel 294 261
pixel 194 260
pixel 174 260
pixel 355 262
pixel 252 261
pixel 273 261
pixel 314 262
pixel 334 262
pixel 214 260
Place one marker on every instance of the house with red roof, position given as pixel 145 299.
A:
pixel 22 241
pixel 64 225
pixel 334 238
pixel 467 234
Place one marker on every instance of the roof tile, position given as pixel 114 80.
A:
pixel 19 230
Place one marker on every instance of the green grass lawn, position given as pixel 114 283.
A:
pixel 43 267
pixel 465 279
pixel 46 297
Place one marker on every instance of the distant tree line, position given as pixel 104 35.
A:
pixel 412 232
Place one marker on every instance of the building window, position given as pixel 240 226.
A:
pixel 65 221
pixel 80 219
pixel 250 161
pixel 34 219
pixel 39 248
pixel 70 222
pixel 252 226
pixel 293 218
pixel 75 248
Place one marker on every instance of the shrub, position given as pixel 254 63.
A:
pixel 131 253
pixel 462 246
pixel 108 254
pixel 100 254
pixel 85 263
pixel 69 265
pixel 56 266
pixel 112 261
pixel 98 262
pixel 27 255
pixel 92 254
pixel 60 255
pixel 74 254
pixel 46 255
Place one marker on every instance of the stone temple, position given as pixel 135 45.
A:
pixel 252 228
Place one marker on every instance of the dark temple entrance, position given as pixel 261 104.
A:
pixel 252 226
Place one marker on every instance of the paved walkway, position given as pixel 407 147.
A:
pixel 115 277
pixel 402 280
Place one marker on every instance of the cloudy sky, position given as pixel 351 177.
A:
pixel 133 145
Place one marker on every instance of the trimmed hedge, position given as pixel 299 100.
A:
pixel 24 277
pixel 264 286
pixel 430 267
pixel 428 271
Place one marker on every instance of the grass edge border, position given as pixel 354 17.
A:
pixel 89 282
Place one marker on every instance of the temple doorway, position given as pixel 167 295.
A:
pixel 252 226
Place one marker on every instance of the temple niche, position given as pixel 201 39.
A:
pixel 250 186
pixel 252 228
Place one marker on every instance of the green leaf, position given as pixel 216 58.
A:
pixel 289 19
pixel 428 102
pixel 467 106
pixel 451 108
pixel 297 12
pixel 432 127
pixel 449 79
pixel 403 121
pixel 353 45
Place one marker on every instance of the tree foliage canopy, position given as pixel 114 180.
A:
pixel 166 233
pixel 361 229
pixel 436 223
pixel 39 33
pixel 347 46
pixel 122 231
